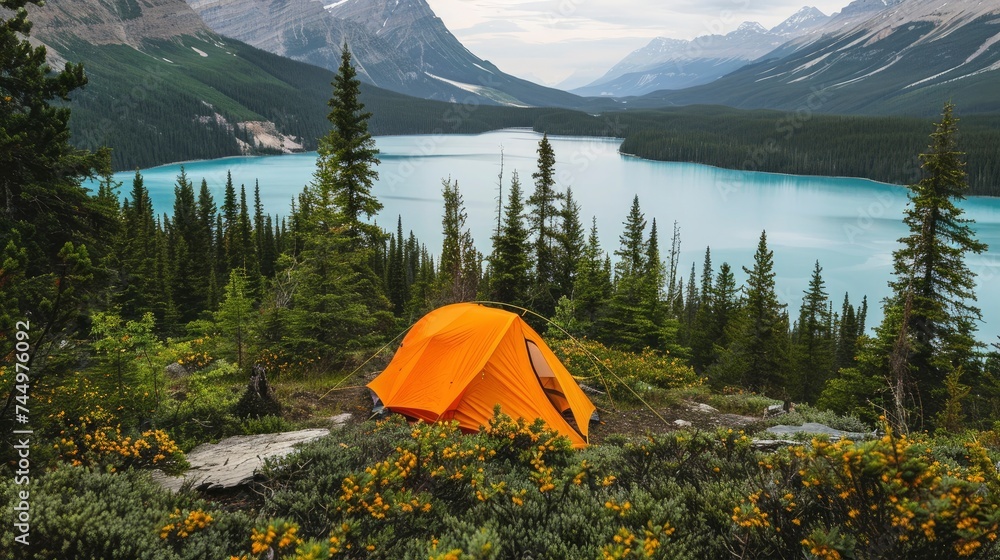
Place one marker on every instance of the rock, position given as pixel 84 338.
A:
pixel 233 461
pixel 176 370
pixel 682 423
pixel 814 428
pixel 340 420
pixel 702 407
pixel 774 410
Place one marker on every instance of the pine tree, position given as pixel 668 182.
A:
pixel 187 287
pixel 458 269
pixel 396 286
pixel 571 239
pixel 258 230
pixel 847 336
pixel 628 322
pixel 234 315
pixel 690 308
pixel 346 167
pixel 933 287
pixel 510 264
pixel 229 230
pixel 247 253
pixel 813 349
pixel 137 250
pixel 40 171
pixel 205 250
pixel 593 287
pixel 654 276
pixel 757 357
pixel 701 337
pixel 542 215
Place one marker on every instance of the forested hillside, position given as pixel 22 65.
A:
pixel 128 338
pixel 797 142
pixel 168 103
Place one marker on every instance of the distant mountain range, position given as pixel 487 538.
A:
pixel 399 45
pixel 163 87
pixel 676 64
pixel 902 58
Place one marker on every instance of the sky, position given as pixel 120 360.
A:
pixel 548 41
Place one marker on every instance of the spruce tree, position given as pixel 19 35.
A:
pixel 137 253
pixel 813 348
pixel 757 357
pixel 542 218
pixel 510 264
pixel 593 288
pixel 628 322
pixel 847 336
pixel 654 276
pixel 701 338
pixel 571 239
pixel 458 269
pixel 396 286
pixel 338 301
pixel 258 229
pixel 187 286
pixel 691 305
pixel 346 167
pixel 247 254
pixel 229 231
pixel 234 316
pixel 933 288
pixel 205 250
pixel 725 306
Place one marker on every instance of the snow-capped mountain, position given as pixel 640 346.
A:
pixel 800 23
pixel 400 45
pixel 907 57
pixel 667 63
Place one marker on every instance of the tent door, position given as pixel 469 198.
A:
pixel 550 385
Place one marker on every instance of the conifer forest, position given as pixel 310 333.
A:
pixel 130 337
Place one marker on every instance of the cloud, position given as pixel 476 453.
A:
pixel 489 27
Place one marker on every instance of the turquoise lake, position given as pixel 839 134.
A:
pixel 850 225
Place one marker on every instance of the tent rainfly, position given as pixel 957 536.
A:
pixel 460 360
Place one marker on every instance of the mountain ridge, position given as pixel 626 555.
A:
pixel 907 58
pixel 666 63
pixel 400 45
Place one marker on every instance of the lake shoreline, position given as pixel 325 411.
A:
pixel 553 136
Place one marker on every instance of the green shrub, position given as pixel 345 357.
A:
pixel 624 375
pixel 78 512
pixel 804 413
pixel 741 402
pixel 199 408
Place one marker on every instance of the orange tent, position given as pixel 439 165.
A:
pixel 460 360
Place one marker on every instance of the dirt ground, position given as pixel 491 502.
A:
pixel 314 406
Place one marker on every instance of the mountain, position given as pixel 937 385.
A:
pixel 675 64
pixel 905 58
pixel 163 87
pixel 399 45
